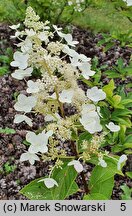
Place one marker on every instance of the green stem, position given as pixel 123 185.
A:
pixel 82 173
pixel 59 15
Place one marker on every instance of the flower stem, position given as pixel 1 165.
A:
pixel 82 173
pixel 60 104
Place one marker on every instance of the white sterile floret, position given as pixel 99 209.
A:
pixel 129 2
pixel 29 156
pixel 17 34
pixel 38 142
pixel 50 117
pixel 90 119
pixel 112 127
pixel 86 71
pixel 77 165
pixel 91 123
pixel 26 45
pixel 88 108
pixel 24 103
pixel 58 31
pixel 83 58
pixel 70 52
pixel 21 74
pixel 33 87
pixel 30 32
pixel 96 94
pixel 66 96
pixel 14 27
pixel 121 160
pixel 20 60
pixel 43 37
pixel 57 28
pixel 49 182
pixel 102 162
pixel 20 118
pixel 70 3
pixel 75 62
pixel 69 40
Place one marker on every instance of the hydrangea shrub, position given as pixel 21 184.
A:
pixel 52 52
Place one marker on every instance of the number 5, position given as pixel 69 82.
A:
pixel 123 207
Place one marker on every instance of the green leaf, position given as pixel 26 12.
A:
pixel 127 192
pixel 84 136
pixel 7 130
pixel 102 181
pixel 126 101
pixel 129 174
pixel 121 112
pixel 112 74
pixel 117 148
pixel 65 178
pixel 105 112
pixel 108 89
pixel 120 63
pixel 116 99
pixel 123 121
pixel 95 196
pixel 127 145
pixel 128 139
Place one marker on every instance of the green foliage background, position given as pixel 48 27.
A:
pixel 99 15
